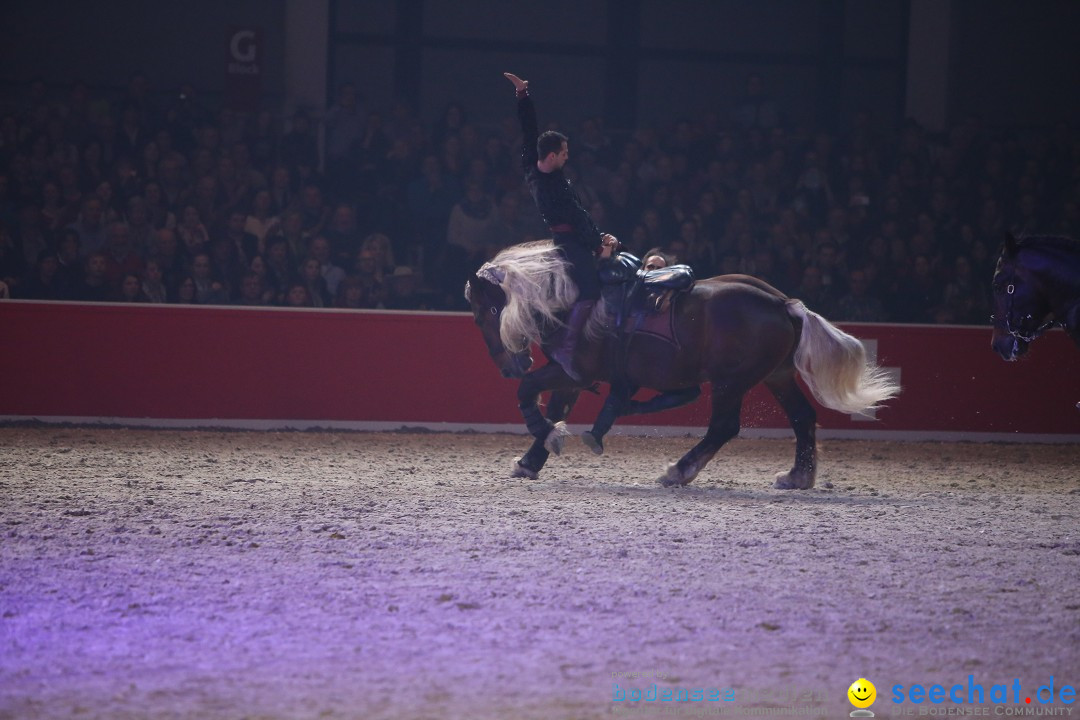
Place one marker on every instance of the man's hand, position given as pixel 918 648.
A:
pixel 608 245
pixel 519 84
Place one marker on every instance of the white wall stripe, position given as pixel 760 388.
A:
pixel 519 429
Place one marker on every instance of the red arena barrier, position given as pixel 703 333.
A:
pixel 276 367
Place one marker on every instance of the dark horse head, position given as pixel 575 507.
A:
pixel 1035 287
pixel 1019 306
pixel 488 301
pixel 516 301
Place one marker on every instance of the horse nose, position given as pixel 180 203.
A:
pixel 517 367
pixel 1004 345
pixel 1009 348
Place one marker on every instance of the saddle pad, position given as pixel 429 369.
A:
pixel 659 325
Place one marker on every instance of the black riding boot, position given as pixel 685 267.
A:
pixel 575 326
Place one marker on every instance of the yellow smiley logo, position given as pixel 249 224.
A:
pixel 862 693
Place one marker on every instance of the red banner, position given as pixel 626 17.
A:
pixel 64 360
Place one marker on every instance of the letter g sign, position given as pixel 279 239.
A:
pixel 242 46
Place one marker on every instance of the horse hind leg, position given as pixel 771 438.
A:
pixel 803 419
pixel 723 425
pixel 665 401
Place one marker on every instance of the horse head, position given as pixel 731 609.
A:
pixel 488 300
pixel 1020 305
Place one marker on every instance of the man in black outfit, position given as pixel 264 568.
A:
pixel 572 229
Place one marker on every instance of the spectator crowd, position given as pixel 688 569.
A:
pixel 148 197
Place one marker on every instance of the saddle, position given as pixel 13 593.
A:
pixel 642 299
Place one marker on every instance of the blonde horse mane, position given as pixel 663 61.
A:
pixel 534 277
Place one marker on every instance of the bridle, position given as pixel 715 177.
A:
pixel 1018 331
pixel 1062 311
pixel 497 354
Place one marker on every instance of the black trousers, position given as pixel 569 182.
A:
pixel 583 269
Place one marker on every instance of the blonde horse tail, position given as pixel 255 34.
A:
pixel 835 367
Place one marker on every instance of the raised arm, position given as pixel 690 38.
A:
pixel 527 116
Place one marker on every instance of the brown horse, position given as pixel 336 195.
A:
pixel 733 331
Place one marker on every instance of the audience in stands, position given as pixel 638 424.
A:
pixel 135 200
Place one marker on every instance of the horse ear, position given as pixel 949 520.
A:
pixel 1011 246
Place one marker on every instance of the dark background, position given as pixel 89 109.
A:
pixel 635 62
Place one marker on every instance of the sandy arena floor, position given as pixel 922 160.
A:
pixel 160 574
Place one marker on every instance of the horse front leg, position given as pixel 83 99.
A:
pixel 615 406
pixel 550 432
pixel 559 406
pixel 619 404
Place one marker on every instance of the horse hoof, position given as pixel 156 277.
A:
pixel 673 477
pixel 794 480
pixel 593 443
pixel 556 438
pixel 520 471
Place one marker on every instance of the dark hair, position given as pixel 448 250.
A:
pixel 277 240
pixel 68 234
pixel 657 252
pixel 550 142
